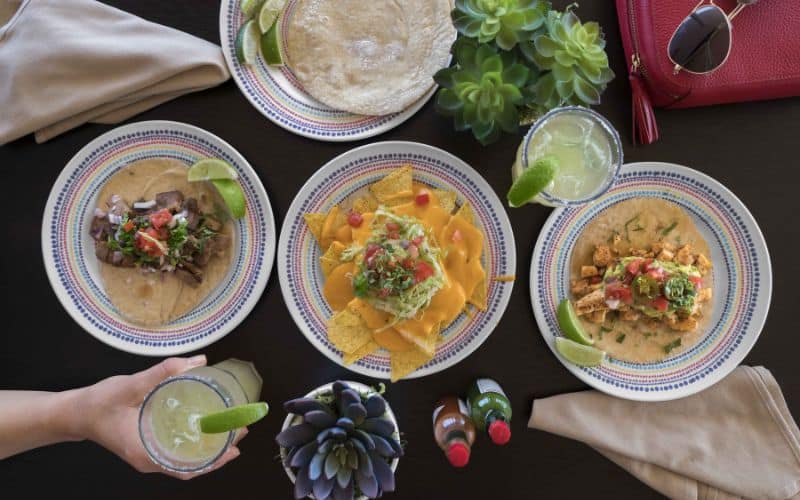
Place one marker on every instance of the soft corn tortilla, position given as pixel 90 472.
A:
pixel 643 342
pixel 369 58
pixel 153 299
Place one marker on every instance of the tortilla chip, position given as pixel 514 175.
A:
pixel 466 213
pixel 400 200
pixel 315 222
pixel 348 332
pixel 365 204
pixel 479 296
pixel 425 344
pixel 330 259
pixel 362 352
pixel 407 362
pixel 447 199
pixel 398 184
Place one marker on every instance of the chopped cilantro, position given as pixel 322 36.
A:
pixel 672 345
pixel 669 228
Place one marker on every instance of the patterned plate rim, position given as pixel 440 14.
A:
pixel 373 125
pixel 498 302
pixel 221 326
pixel 745 340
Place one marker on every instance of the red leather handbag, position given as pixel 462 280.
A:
pixel 764 60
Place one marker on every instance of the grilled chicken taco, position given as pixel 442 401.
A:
pixel 642 280
pixel 163 242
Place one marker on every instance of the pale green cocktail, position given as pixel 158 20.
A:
pixel 169 417
pixel 587 148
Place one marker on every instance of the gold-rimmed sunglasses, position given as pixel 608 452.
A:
pixel 702 42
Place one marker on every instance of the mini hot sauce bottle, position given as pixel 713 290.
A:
pixel 490 409
pixel 453 430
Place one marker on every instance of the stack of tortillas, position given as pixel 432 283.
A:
pixel 369 58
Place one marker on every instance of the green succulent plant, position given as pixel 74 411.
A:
pixel 342 447
pixel 482 90
pixel 506 22
pixel 573 61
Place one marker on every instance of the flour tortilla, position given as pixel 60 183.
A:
pixel 369 58
pixel 157 298
pixel 642 343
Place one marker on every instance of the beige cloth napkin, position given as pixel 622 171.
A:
pixel 735 439
pixel 67 62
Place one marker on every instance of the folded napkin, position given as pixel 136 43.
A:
pixel 735 439
pixel 67 62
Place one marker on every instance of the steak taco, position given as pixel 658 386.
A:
pixel 162 242
pixel 642 280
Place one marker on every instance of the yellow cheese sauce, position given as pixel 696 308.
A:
pixel 461 245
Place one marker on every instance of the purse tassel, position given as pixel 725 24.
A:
pixel 645 129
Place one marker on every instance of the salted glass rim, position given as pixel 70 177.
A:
pixel 159 460
pixel 612 133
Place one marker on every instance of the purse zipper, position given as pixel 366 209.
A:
pixel 637 67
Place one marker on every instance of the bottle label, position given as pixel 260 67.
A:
pixel 463 407
pixel 436 413
pixel 488 385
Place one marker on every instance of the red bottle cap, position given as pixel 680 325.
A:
pixel 458 454
pixel 500 432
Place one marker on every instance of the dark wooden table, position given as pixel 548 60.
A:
pixel 751 148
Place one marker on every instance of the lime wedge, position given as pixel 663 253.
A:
pixel 272 47
pixel 232 194
pixel 250 7
pixel 247 43
pixel 233 418
pixel 571 325
pixel 211 168
pixel 532 181
pixel 269 12
pixel 579 354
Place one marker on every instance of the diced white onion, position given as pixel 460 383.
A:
pixel 115 198
pixel 612 303
pixel 114 219
pixel 144 205
pixel 180 216
pixel 100 213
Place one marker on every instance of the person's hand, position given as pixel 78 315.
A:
pixel 110 410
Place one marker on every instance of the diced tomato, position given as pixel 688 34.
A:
pixel 628 279
pixel 661 303
pixel 595 279
pixel 423 271
pixel 392 227
pixel 616 291
pixel 697 281
pixel 408 263
pixel 355 219
pixel 128 226
pixel 635 266
pixel 413 251
pixel 422 198
pixel 647 264
pixel 160 218
pixel 656 273
pixel 457 236
pixel 418 240
pixel 147 246
pixel 371 250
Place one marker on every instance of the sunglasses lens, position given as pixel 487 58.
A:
pixel 702 40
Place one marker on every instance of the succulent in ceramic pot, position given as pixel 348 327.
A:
pixel 340 442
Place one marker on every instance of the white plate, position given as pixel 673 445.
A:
pixel 298 253
pixel 73 269
pixel 277 94
pixel 742 282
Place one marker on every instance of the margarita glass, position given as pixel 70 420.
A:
pixel 588 150
pixel 169 416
